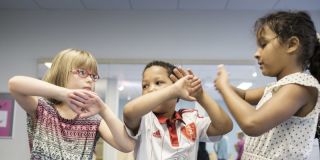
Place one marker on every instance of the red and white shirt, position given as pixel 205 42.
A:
pixel 159 138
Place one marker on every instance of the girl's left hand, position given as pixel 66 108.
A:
pixel 88 102
pixel 222 78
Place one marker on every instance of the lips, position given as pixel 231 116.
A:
pixel 260 64
pixel 87 88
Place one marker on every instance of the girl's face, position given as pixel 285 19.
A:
pixel 271 54
pixel 81 78
pixel 156 78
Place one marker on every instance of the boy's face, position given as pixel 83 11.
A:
pixel 156 78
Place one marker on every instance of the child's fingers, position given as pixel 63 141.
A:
pixel 76 106
pixel 190 72
pixel 82 97
pixel 220 66
pixel 189 77
pixel 222 69
pixel 84 93
pixel 195 88
pixel 190 98
pixel 90 93
pixel 195 78
pixel 222 72
pixel 178 73
pixel 196 82
pixel 77 103
pixel 173 78
pixel 182 71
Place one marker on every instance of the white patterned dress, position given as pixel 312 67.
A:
pixel 293 138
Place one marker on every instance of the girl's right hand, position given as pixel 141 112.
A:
pixel 222 79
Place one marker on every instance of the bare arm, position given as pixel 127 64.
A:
pixel 220 121
pixel 113 131
pixel 26 89
pixel 135 109
pixel 283 104
pixel 252 96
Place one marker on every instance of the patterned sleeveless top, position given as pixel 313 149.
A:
pixel 53 137
pixel 293 138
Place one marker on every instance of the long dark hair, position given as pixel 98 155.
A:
pixel 287 24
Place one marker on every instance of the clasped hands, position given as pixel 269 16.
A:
pixel 84 102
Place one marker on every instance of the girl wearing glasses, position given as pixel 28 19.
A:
pixel 65 117
pixel 282 125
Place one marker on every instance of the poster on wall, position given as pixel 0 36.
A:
pixel 6 115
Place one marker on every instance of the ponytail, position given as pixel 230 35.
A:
pixel 315 60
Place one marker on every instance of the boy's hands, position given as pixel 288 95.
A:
pixel 184 88
pixel 196 82
pixel 85 103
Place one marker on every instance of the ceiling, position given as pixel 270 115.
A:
pixel 311 5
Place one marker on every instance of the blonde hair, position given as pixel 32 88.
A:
pixel 64 62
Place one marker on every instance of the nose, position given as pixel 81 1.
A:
pixel 257 53
pixel 151 88
pixel 89 78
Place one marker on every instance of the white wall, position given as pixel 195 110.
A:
pixel 29 35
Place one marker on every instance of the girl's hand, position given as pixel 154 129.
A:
pixel 184 87
pixel 85 103
pixel 222 78
pixel 75 102
pixel 179 73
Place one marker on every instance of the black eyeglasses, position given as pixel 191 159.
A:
pixel 84 74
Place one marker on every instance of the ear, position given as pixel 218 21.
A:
pixel 293 44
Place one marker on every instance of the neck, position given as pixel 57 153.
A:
pixel 288 72
pixel 168 114
pixel 65 111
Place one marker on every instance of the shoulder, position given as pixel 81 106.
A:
pixel 44 104
pixel 295 83
pixel 298 84
pixel 304 79
pixel 294 92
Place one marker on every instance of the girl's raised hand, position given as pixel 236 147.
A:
pixel 222 78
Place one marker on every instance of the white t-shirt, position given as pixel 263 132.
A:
pixel 157 141
pixel 293 138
